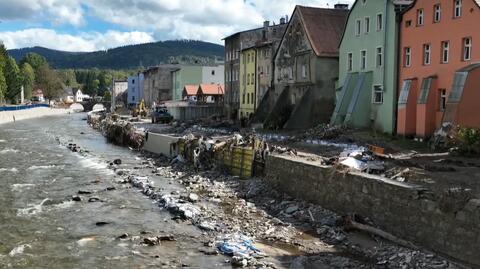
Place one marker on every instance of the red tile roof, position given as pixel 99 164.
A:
pixel 191 89
pixel 211 89
pixel 324 28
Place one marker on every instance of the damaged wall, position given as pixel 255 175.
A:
pixel 443 225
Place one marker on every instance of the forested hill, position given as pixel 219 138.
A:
pixel 129 57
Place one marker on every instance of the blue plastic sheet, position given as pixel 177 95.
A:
pixel 13 108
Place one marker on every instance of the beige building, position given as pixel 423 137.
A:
pixel 157 85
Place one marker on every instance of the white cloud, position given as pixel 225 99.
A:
pixel 86 41
pixel 208 20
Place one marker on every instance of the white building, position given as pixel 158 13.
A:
pixel 135 89
pixel 213 74
pixel 119 92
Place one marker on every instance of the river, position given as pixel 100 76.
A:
pixel 40 225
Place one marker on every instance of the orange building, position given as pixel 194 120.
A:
pixel 439 74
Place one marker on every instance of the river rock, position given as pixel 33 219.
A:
pixel 123 236
pixel 151 241
pixel 77 198
pixel 84 192
pixel 117 161
pixel 94 200
pixel 166 237
pixel 239 261
pixel 102 223
pixel 192 197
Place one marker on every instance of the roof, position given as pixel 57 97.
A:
pixel 191 89
pixel 415 1
pixel 211 89
pixel 252 30
pixel 324 28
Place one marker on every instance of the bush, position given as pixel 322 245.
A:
pixel 466 140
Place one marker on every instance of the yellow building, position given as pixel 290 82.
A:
pixel 248 82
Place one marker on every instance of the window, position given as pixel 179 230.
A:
pixel 367 25
pixel 426 54
pixel 248 79
pixel 248 98
pixel 358 28
pixel 437 13
pixel 445 51
pixel 377 94
pixel 213 72
pixel 443 99
pixel 363 59
pixel 458 9
pixel 243 98
pixel 304 70
pixel 379 57
pixel 253 79
pixel 350 62
pixel 420 17
pixel 133 98
pixel 408 57
pixel 133 81
pixel 467 49
pixel 408 23
pixel 379 22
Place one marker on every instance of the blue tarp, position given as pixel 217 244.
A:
pixel 13 108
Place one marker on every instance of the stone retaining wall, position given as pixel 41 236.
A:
pixel 408 211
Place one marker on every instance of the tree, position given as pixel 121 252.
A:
pixel 3 83
pixel 48 81
pixel 13 79
pixel 34 60
pixel 3 87
pixel 107 96
pixel 28 79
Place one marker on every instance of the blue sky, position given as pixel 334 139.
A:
pixel 88 25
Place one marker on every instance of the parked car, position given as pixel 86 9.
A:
pixel 160 114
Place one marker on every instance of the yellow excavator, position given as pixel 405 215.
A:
pixel 140 110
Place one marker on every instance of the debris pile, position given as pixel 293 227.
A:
pixel 324 131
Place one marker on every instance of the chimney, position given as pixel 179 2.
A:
pixel 341 6
pixel 286 18
pixel 282 20
pixel 266 24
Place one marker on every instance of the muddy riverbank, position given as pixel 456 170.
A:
pixel 292 233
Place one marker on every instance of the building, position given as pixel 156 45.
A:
pixel 439 70
pixel 190 93
pixel 248 82
pixel 210 93
pixel 119 93
pixel 78 96
pixel 135 89
pixel 366 94
pixel 157 84
pixel 195 75
pixel 234 44
pixel 306 68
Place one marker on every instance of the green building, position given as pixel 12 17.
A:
pixel 195 75
pixel 367 85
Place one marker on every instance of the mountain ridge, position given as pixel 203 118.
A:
pixel 129 56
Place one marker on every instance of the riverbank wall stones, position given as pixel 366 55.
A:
pixel 407 211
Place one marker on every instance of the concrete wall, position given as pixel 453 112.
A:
pixel 185 113
pixel 401 209
pixel 161 144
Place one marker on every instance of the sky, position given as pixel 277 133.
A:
pixel 90 25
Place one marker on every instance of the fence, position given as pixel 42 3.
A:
pixel 14 108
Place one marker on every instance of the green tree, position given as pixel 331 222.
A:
pixel 28 79
pixel 13 79
pixel 3 87
pixel 3 63
pixel 107 96
pixel 35 60
pixel 47 79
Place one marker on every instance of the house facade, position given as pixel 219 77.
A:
pixel 191 75
pixel 438 78
pixel 248 82
pixel 234 44
pixel 190 93
pixel 210 94
pixel 306 68
pixel 367 83
pixel 135 89
pixel 157 84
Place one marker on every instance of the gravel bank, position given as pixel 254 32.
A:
pixel 8 116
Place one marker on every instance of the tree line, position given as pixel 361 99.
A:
pixel 34 72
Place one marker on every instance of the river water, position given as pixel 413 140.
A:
pixel 40 227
